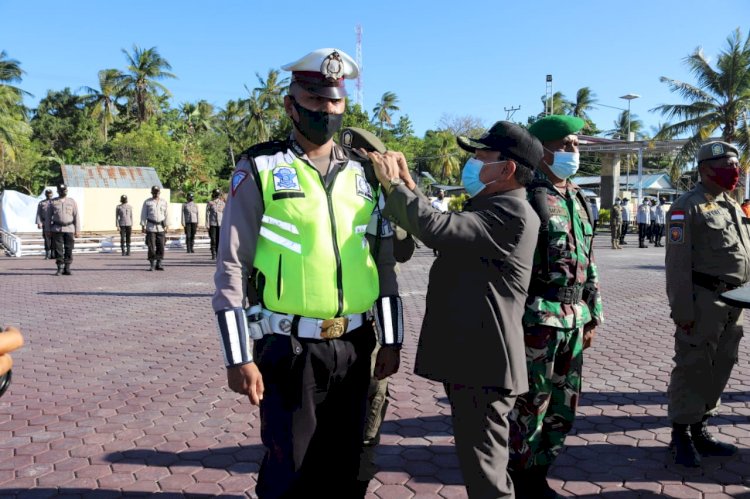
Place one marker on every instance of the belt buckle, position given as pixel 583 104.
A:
pixel 333 328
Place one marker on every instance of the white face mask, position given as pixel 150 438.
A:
pixel 565 164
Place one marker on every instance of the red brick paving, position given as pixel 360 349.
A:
pixel 120 391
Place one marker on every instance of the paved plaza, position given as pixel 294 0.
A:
pixel 120 391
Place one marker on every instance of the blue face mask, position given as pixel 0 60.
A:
pixel 470 176
pixel 565 164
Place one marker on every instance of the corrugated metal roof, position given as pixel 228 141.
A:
pixel 115 177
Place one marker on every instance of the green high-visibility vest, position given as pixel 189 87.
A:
pixel 312 253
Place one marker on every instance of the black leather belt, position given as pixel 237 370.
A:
pixel 152 221
pixel 564 294
pixel 713 283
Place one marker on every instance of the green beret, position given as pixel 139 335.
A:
pixel 555 127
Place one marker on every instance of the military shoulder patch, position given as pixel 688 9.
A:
pixel 237 179
pixel 677 232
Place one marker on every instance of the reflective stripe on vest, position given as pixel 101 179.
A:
pixel 312 252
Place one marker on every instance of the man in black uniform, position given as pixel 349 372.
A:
pixel 42 222
pixel 124 223
pixel 65 225
pixel 214 214
pixel 190 222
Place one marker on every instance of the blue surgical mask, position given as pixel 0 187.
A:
pixel 565 164
pixel 470 176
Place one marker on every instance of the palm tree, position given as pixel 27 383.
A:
pixel 620 131
pixel 230 122
pixel 271 89
pixel 103 101
pixel 13 123
pixel 446 161
pixel 382 112
pixel 719 100
pixel 10 72
pixel 257 119
pixel 560 105
pixel 145 66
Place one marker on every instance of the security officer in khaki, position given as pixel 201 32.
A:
pixel 154 215
pixel 65 226
pixel 615 223
pixel 42 222
pixel 124 223
pixel 190 222
pixel 214 214
pixel 707 253
pixel 295 225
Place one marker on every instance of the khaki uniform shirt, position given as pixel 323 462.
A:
pixel 706 234
pixel 153 213
pixel 214 212
pixel 63 215
pixel 189 213
pixel 124 215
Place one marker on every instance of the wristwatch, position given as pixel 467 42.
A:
pixel 394 182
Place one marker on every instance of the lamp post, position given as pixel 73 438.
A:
pixel 629 97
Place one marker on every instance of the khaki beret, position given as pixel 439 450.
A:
pixel 716 150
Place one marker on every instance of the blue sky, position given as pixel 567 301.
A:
pixel 457 58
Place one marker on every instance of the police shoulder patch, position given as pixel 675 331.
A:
pixel 285 179
pixel 363 187
pixel 237 179
pixel 677 232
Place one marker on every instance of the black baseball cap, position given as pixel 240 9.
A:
pixel 511 140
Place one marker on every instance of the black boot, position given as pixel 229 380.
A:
pixel 123 252
pixel 59 269
pixel 151 265
pixel 532 484
pixel 46 255
pixel 158 265
pixel 707 445
pixel 213 255
pixel 66 270
pixel 682 448
pixel 127 253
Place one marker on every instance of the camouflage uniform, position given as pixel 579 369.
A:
pixel 553 331
pixel 615 224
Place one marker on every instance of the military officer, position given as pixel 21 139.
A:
pixel 190 222
pixel 42 222
pixel 214 214
pixel 615 223
pixel 65 226
pixel 124 223
pixel 295 223
pixel 154 214
pixel 562 312
pixel 708 252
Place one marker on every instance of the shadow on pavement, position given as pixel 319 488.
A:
pixel 236 460
pixel 38 493
pixel 646 398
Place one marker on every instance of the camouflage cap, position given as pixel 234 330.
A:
pixel 716 150
pixel 555 127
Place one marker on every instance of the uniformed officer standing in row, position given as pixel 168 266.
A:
pixel 708 252
pixel 643 218
pixel 562 313
pixel 615 223
pixel 65 225
pixel 42 222
pixel 214 214
pixel 124 223
pixel 154 224
pixel 295 222
pixel 190 222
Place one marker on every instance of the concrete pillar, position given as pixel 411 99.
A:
pixel 610 179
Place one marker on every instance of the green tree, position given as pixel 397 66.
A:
pixel 270 92
pixel 560 105
pixel 230 125
pixel 383 110
pixel 150 145
pixel 102 101
pixel 145 67
pixel 720 99
pixel 443 156
pixel 620 131
pixel 585 100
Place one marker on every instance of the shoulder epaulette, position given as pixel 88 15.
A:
pixel 265 148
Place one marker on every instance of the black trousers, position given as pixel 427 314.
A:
pixel 125 231
pixel 642 232
pixel 213 233
pixel 63 243
pixel 190 229
pixel 658 232
pixel 624 231
pixel 48 244
pixel 313 413
pixel 155 244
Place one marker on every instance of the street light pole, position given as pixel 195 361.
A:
pixel 630 97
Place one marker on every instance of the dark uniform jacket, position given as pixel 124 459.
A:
pixel 472 332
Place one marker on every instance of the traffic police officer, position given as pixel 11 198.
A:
pixel 295 223
pixel 214 214
pixel 65 225
pixel 42 222
pixel 708 252
pixel 154 214
pixel 190 222
pixel 124 223
pixel 563 309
